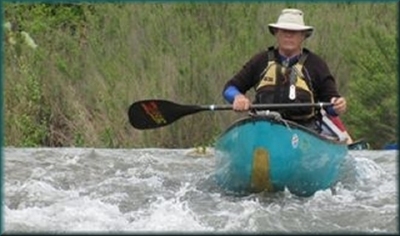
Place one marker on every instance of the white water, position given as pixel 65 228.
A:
pixel 63 190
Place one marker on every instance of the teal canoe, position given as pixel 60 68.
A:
pixel 262 153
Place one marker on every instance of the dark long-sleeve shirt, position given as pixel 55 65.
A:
pixel 323 83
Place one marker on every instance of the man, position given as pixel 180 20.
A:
pixel 287 73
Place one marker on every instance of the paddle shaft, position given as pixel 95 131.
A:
pixel 155 113
pixel 265 106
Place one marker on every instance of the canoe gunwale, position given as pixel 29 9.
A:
pixel 284 122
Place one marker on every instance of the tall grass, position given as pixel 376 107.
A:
pixel 94 60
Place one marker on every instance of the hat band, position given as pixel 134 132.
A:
pixel 291 26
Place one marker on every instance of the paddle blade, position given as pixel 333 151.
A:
pixel 150 114
pixel 359 145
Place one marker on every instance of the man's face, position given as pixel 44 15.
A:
pixel 289 40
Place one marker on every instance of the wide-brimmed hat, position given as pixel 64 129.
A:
pixel 291 19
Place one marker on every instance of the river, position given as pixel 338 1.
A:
pixel 94 190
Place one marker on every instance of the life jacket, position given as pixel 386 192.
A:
pixel 286 84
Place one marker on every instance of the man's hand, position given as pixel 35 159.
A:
pixel 339 104
pixel 241 103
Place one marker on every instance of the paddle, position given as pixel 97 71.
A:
pixel 155 113
pixel 359 145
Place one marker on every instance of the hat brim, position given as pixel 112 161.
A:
pixel 309 29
